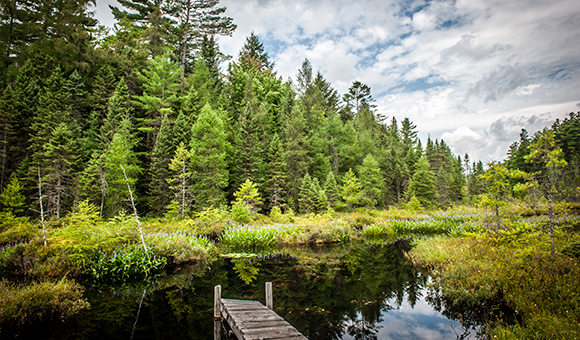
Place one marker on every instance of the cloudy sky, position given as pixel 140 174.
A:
pixel 473 72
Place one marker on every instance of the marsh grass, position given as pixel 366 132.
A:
pixel 22 305
pixel 512 267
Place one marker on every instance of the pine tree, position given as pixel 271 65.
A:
pixel 320 198
pixel 248 147
pixel 60 155
pixel 249 196
pixel 98 100
pixel 358 97
pixel 160 89
pixel 276 179
pixel 351 190
pixel 150 19
pixel 443 187
pixel 307 198
pixel 296 154
pixel 422 185
pixel 197 19
pixel 209 161
pixel 160 195
pixel 120 152
pixel 181 180
pixel 77 94
pixel 204 83
pixel 117 111
pixel 371 181
pixel 254 54
pixel 331 190
pixel 12 201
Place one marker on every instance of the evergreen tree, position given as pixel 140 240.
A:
pixel 181 180
pixel 296 154
pixel 496 178
pixel 422 185
pixel 443 187
pixel 474 184
pixel 118 110
pixel 12 201
pixel 371 181
pixel 61 155
pixel 254 54
pixel 248 148
pixel 357 98
pixel 160 195
pixel 197 19
pixel 308 196
pixel 98 101
pixel 545 151
pixel 331 190
pixel 209 161
pixel 160 88
pixel 204 83
pixel 351 190
pixel 320 198
pixel 150 19
pixel 77 95
pixel 120 152
pixel 249 196
pixel 276 179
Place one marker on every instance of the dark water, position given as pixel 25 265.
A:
pixel 361 291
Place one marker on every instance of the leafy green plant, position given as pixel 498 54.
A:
pixel 129 263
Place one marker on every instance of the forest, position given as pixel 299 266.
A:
pixel 150 119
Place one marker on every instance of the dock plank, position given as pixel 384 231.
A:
pixel 251 320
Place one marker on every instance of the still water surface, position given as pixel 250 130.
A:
pixel 360 291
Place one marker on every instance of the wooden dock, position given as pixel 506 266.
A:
pixel 251 320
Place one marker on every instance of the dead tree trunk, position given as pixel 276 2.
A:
pixel 41 208
pixel 134 209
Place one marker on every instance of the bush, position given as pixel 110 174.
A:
pixel 572 250
pixel 45 301
pixel 179 247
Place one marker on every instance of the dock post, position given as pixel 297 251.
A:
pixel 269 299
pixel 217 297
pixel 217 329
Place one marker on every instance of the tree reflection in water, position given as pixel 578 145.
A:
pixel 327 292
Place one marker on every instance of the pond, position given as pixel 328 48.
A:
pixel 358 291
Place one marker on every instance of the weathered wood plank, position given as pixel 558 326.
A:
pixel 251 320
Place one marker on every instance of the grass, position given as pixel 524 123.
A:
pixel 21 305
pixel 512 267
pixel 470 265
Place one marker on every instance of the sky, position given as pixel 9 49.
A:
pixel 470 72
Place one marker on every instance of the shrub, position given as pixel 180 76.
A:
pixel 44 301
pixel 572 250
pixel 179 247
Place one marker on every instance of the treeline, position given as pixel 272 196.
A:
pixel 85 115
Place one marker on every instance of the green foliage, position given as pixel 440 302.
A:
pixel 351 190
pixel 371 181
pixel 245 236
pixel 11 200
pixel 124 264
pixel 180 182
pixel 414 204
pixel 44 301
pixel 210 175
pixel 422 185
pixel 572 249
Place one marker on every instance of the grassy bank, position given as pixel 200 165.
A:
pixel 512 267
pixel 471 265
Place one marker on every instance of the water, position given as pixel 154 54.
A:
pixel 361 291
